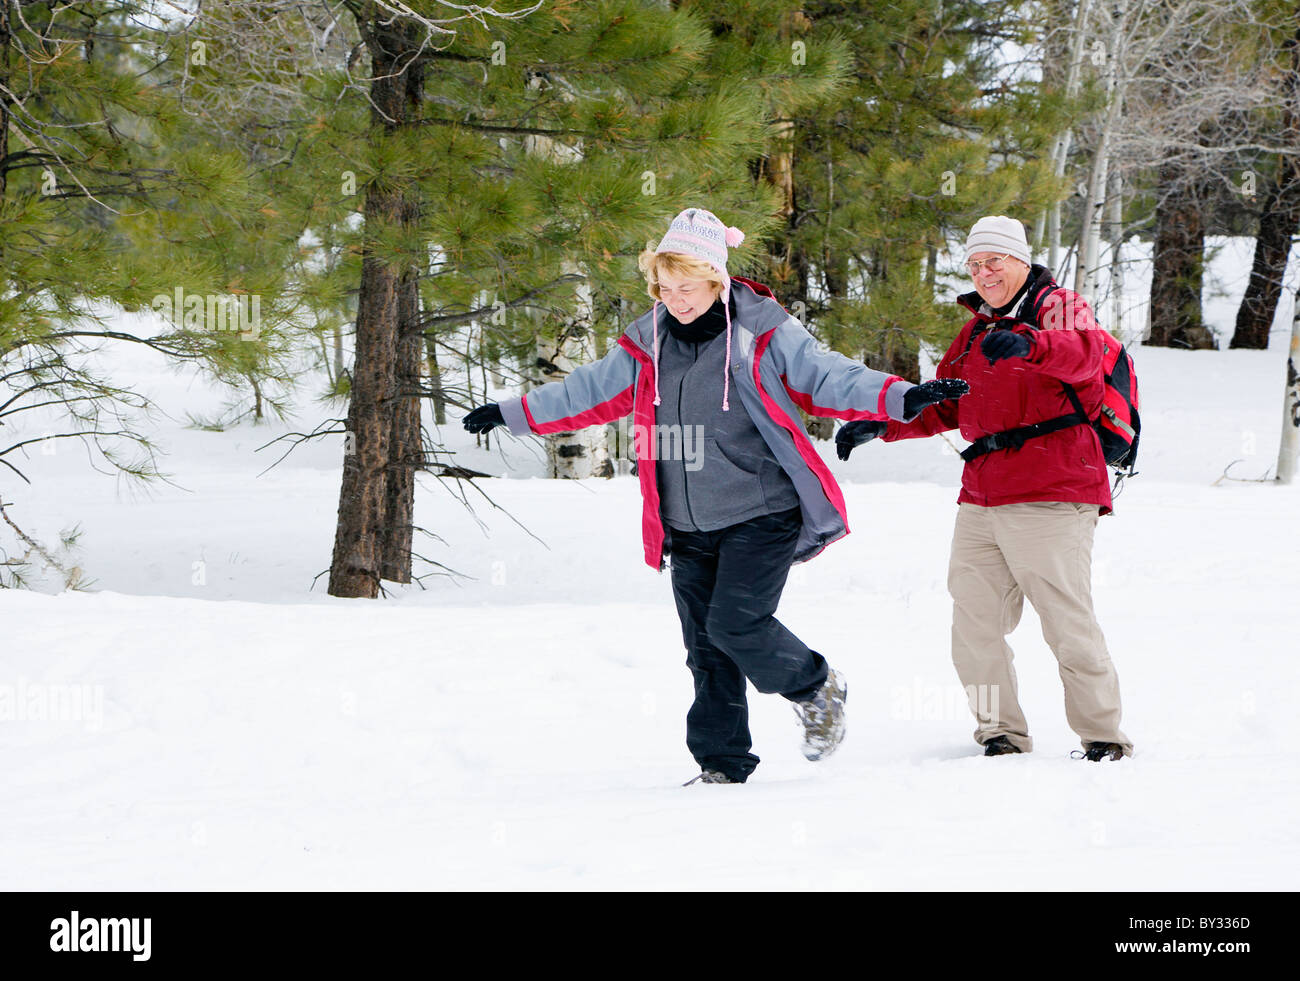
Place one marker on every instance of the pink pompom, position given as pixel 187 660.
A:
pixel 734 237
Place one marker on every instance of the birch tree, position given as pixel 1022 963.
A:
pixel 1112 54
pixel 562 347
pixel 1175 81
pixel 1070 45
pixel 570 341
pixel 1289 448
pixel 1198 108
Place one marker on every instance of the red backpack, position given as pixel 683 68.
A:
pixel 1119 424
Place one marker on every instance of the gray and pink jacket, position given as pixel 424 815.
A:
pixel 776 368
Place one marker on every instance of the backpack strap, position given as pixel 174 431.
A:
pixel 1036 304
pixel 970 341
pixel 1073 396
pixel 1013 439
pixel 1070 392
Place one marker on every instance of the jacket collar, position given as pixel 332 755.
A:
pixel 752 316
pixel 1040 277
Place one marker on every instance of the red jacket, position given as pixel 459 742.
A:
pixel 1067 465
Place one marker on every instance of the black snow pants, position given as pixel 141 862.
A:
pixel 727 584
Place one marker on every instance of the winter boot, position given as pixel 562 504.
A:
pixel 1000 746
pixel 710 776
pixel 823 717
pixel 1101 751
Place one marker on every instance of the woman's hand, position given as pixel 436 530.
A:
pixel 484 419
pixel 853 434
pixel 929 393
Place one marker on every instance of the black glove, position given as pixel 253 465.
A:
pixel 928 393
pixel 999 344
pixel 484 419
pixel 853 434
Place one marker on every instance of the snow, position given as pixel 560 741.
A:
pixel 221 724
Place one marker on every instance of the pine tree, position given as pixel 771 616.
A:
pixel 110 194
pixel 1178 266
pixel 459 234
pixel 930 135
pixel 768 47
pixel 758 50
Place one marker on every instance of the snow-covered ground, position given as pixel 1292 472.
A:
pixel 221 724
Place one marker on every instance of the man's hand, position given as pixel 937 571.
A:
pixel 484 419
pixel 999 344
pixel 926 394
pixel 855 434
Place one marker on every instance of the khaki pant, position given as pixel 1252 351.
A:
pixel 1042 550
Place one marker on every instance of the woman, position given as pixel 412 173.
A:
pixel 719 358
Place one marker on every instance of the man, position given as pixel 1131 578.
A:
pixel 1031 494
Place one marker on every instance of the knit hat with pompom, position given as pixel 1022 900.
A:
pixel 702 235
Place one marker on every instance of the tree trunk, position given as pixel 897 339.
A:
pixel 778 169
pixel 1278 222
pixel 1289 448
pixel 4 101
pixel 1115 221
pixel 895 358
pixel 358 540
pixel 1061 147
pixel 1085 271
pixel 1277 225
pixel 367 509
pixel 1178 263
pixel 339 367
pixel 892 348
pixel 1272 248
pixel 788 271
pixel 6 113
pixel 583 453
pixel 437 396
pixel 406 448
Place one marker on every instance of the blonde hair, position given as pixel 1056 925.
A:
pixel 651 263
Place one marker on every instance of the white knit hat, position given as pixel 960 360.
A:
pixel 1000 234
pixel 701 235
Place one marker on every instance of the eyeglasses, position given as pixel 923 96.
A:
pixel 992 264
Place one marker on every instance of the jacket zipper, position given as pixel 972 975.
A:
pixel 686 477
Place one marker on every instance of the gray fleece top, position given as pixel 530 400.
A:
pixel 714 467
